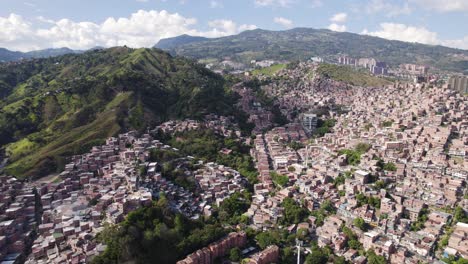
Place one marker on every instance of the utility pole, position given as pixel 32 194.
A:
pixel 298 245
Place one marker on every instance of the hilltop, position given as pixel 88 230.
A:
pixel 303 43
pixel 8 55
pixel 177 41
pixel 56 107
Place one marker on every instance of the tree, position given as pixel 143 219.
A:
pixel 318 256
pixel 373 258
pixel 390 166
pixel 278 179
pixel 460 215
pixel 266 239
pixel 360 223
pixel 293 212
pixel 235 254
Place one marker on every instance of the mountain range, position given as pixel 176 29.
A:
pixel 303 43
pixel 56 107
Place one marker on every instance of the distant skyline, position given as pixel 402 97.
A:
pixel 83 24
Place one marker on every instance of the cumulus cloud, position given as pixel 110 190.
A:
pixel 336 27
pixel 414 34
pixel 339 18
pixel 277 3
pixel 443 5
pixel 283 22
pixel 140 29
pixel 221 28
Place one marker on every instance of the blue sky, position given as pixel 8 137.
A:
pixel 81 24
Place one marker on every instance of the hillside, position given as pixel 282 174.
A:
pixel 349 75
pixel 177 41
pixel 56 107
pixel 303 43
pixel 8 55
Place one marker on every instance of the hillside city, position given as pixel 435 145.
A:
pixel 361 174
pixel 234 132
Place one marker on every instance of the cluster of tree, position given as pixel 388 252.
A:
pixel 326 209
pixel 370 200
pixel 293 212
pixel 387 123
pixel 361 224
pixel 323 127
pixel 231 209
pixel 207 145
pixel 295 145
pixel 353 241
pixel 460 215
pixel 353 156
pixel 422 218
pixel 279 179
pixel 386 166
pixel 150 233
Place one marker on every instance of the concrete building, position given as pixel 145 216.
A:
pixel 459 83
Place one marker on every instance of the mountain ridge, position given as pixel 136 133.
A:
pixel 303 43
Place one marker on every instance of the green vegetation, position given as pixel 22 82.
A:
pixel 460 215
pixel 303 43
pixel 205 144
pixel 353 241
pixel 326 209
pixel 349 75
pixel 323 127
pixel 296 145
pixel 387 123
pixel 269 71
pixel 278 179
pixel 373 258
pixel 318 255
pixel 231 209
pixel 361 224
pixel 150 232
pixel 56 107
pixel 372 201
pixel 353 156
pixel 422 218
pixel 293 212
pixel 235 254
pixel 390 166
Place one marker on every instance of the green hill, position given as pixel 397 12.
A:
pixel 303 43
pixel 349 75
pixel 56 107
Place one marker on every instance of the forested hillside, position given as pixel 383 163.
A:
pixel 56 107
pixel 303 43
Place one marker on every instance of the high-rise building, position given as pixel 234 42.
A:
pixel 459 83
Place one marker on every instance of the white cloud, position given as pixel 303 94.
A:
pixel 405 33
pixel 283 22
pixel 277 3
pixel 339 18
pixel 336 27
pixel 414 34
pixel 142 1
pixel 390 10
pixel 443 5
pixel 140 29
pixel 221 28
